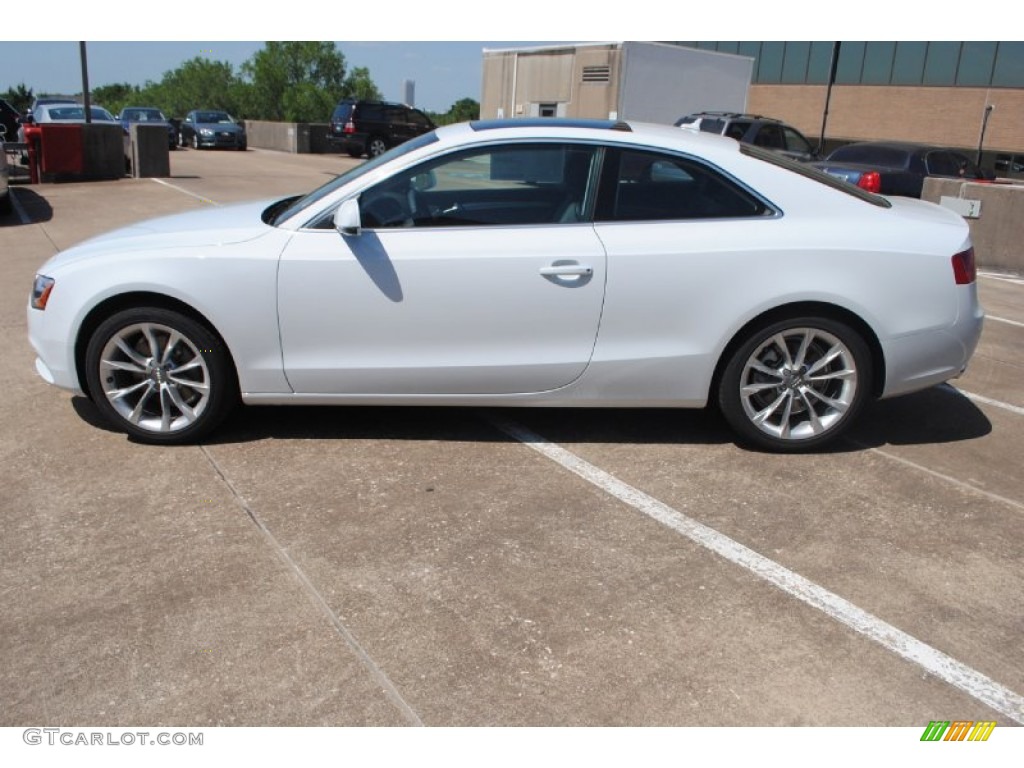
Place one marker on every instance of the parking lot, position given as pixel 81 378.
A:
pixel 440 566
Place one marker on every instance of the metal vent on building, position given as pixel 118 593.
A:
pixel 597 74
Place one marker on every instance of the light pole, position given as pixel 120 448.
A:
pixel 828 94
pixel 984 125
pixel 85 82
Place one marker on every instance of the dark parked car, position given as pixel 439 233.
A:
pixel 211 128
pixel 371 127
pixel 9 120
pixel 898 168
pixel 758 130
pixel 149 116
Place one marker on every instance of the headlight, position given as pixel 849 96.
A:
pixel 206 131
pixel 41 289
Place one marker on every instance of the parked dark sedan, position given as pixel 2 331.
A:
pixel 210 128
pixel 10 119
pixel 898 168
pixel 149 116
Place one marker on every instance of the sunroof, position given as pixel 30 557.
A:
pixel 549 122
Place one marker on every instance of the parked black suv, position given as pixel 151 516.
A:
pixel 370 127
pixel 761 131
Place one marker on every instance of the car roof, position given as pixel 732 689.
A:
pixel 640 134
pixel 906 146
pixel 734 115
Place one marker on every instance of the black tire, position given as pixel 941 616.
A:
pixel 195 141
pixel 160 376
pixel 353 152
pixel 6 203
pixel 376 146
pixel 796 385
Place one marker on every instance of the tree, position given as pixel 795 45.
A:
pixel 461 111
pixel 358 85
pixel 199 83
pixel 115 97
pixel 20 97
pixel 297 82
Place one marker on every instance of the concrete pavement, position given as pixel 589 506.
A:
pixel 362 566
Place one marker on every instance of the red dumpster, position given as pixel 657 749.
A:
pixel 62 152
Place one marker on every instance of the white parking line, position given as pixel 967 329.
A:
pixel 1004 278
pixel 185 191
pixel 967 679
pixel 1004 320
pixel 982 399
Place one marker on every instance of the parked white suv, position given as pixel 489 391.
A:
pixel 758 130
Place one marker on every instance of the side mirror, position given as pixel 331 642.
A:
pixel 346 219
pixel 422 182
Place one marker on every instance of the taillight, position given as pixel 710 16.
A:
pixel 871 181
pixel 350 127
pixel 964 269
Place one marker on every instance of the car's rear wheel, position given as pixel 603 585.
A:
pixel 796 384
pixel 159 375
pixel 376 146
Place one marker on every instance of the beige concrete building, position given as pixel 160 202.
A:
pixel 929 92
pixel 653 82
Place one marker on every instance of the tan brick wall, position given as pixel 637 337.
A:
pixel 946 116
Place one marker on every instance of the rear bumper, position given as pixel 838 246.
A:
pixel 921 360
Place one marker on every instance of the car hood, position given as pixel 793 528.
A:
pixel 212 226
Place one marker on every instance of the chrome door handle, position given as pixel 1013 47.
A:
pixel 562 270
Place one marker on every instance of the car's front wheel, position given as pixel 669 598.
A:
pixel 796 384
pixel 160 375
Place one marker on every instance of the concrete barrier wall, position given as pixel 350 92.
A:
pixel 998 231
pixel 300 138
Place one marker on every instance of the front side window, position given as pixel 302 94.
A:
pixel 493 186
pixel 770 137
pixel 648 186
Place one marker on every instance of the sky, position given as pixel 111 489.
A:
pixel 443 72
pixel 437 45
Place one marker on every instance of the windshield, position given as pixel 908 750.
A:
pixel 214 117
pixel 351 175
pixel 144 115
pixel 78 113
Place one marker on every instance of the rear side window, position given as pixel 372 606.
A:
pixel 650 186
pixel 370 112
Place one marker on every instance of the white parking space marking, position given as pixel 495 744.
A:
pixel 967 679
pixel 1004 320
pixel 19 208
pixel 946 478
pixel 185 191
pixel 1004 278
pixel 982 399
